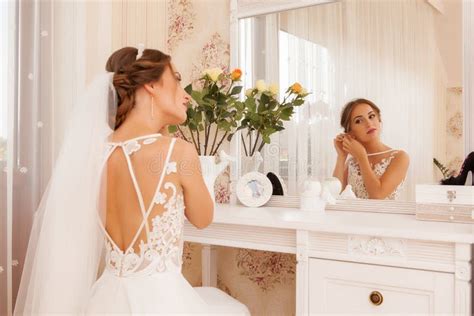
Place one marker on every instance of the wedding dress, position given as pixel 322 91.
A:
pixel 149 279
pixel 68 241
pixel 354 176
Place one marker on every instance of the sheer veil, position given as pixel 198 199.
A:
pixel 65 244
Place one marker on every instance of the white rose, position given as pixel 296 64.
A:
pixel 248 92
pixel 261 85
pixel 214 73
pixel 274 89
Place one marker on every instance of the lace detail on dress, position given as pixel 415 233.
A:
pixel 162 250
pixel 164 247
pixel 357 182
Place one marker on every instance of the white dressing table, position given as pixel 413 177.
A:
pixel 353 261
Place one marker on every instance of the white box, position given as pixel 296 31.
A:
pixel 450 203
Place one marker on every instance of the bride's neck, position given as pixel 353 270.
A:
pixel 136 125
pixel 375 146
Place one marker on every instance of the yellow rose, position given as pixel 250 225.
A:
pixel 213 73
pixel 248 92
pixel 236 74
pixel 274 89
pixel 296 88
pixel 261 85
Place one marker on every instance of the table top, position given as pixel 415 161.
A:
pixel 346 222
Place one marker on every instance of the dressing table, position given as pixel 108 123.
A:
pixel 353 261
pixel 365 257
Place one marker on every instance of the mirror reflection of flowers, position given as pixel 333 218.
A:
pixel 264 114
pixel 215 105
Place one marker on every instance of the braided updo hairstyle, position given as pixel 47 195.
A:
pixel 131 73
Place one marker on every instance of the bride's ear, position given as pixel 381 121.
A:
pixel 150 88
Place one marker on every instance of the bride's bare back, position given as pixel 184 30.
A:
pixel 142 186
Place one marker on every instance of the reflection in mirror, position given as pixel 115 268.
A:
pixel 405 56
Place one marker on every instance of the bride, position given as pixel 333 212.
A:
pixel 108 235
pixel 373 170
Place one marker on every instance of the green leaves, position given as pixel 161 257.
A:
pixel 236 90
pixel 264 115
pixel 172 129
pixel 215 109
pixel 286 113
pixel 217 112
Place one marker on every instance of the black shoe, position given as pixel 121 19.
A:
pixel 468 165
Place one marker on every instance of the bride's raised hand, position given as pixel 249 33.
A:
pixel 354 147
pixel 338 145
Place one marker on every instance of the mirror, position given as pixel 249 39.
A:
pixel 404 55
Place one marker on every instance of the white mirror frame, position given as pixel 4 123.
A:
pixel 240 9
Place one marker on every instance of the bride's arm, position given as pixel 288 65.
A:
pixel 377 188
pixel 197 200
pixel 380 188
pixel 340 170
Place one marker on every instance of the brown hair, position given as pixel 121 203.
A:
pixel 131 73
pixel 349 107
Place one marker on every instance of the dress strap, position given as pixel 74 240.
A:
pixel 150 207
pixel 381 152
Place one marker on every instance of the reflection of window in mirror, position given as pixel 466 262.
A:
pixel 405 56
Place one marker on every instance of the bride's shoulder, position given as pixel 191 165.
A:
pixel 401 157
pixel 401 154
pixel 184 148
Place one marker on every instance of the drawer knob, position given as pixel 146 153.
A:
pixel 451 195
pixel 376 298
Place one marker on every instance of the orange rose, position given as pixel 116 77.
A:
pixel 236 74
pixel 296 88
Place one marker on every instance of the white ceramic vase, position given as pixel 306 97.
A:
pixel 211 170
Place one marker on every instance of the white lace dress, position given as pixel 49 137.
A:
pixel 150 281
pixel 354 177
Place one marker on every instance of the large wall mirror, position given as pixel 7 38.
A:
pixel 404 55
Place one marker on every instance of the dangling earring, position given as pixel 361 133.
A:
pixel 152 108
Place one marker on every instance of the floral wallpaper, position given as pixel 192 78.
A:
pixel 181 18
pixel 454 129
pixel 198 38
pixel 214 53
pixel 266 269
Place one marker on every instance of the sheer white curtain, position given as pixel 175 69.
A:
pixel 384 51
pixel 49 49
pixel 8 18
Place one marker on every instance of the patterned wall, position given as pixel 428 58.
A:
pixel 454 129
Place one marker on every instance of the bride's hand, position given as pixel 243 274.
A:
pixel 338 145
pixel 353 147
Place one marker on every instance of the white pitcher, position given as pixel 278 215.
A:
pixel 211 169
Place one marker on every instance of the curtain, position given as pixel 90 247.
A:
pixel 8 27
pixel 50 50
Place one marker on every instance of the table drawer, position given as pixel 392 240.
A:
pixel 345 287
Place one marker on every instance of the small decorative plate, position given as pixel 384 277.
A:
pixel 254 189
